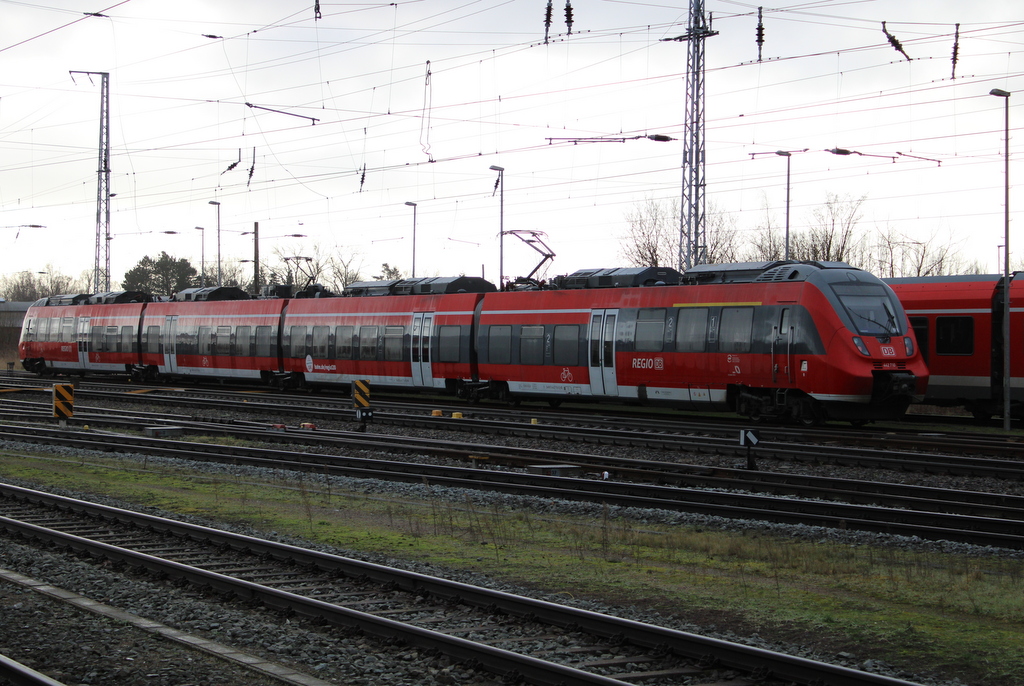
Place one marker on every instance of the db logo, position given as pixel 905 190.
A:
pixel 888 351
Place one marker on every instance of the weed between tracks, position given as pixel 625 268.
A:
pixel 952 615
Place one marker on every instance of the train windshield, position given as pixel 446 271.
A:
pixel 871 308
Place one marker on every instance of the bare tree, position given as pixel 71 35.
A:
pixel 769 241
pixel 652 236
pixel 650 240
pixel 27 286
pixel 896 255
pixel 832 236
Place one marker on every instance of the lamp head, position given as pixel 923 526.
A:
pixel 496 168
pixel 999 92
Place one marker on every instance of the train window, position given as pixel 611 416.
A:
pixel 691 329
pixel 954 335
pixel 152 342
pixel 393 338
pixel 222 341
pixel 54 330
pixel 128 340
pixel 343 342
pixel 425 344
pixel 414 343
pixel 870 308
pixel 205 340
pixel 609 341
pixel 321 335
pixel 241 345
pixel 650 331
pixel 595 341
pixel 449 343
pixel 499 344
pixel 367 342
pixel 264 341
pixel 67 330
pixel 531 345
pixel 112 338
pixel 297 341
pixel 734 331
pixel 96 339
pixel 567 345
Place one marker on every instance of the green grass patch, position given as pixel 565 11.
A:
pixel 922 611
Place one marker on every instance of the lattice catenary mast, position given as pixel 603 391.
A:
pixel 102 278
pixel 693 247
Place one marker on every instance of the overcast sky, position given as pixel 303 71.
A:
pixel 328 126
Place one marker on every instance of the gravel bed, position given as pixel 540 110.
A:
pixel 360 661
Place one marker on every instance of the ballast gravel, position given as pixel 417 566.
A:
pixel 129 660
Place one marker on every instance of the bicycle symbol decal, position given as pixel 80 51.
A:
pixel 566 375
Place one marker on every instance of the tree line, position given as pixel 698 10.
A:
pixel 832 233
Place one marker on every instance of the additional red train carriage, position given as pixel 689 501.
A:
pixel 211 333
pixel 958 321
pixel 405 334
pixel 803 340
pixel 82 333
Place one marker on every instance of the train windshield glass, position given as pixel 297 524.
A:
pixel 870 307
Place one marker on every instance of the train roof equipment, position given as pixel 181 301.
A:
pixel 624 277
pixel 750 272
pixel 434 285
pixel 211 293
pixel 118 297
pixel 65 299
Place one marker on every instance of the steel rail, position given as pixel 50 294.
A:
pixel 1005 444
pixel 832 454
pixel 930 525
pixel 16 674
pixel 731 655
pixel 975 503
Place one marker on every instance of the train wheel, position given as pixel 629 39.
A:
pixel 554 403
pixel 807 413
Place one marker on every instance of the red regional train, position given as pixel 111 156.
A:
pixel 958 323
pixel 803 340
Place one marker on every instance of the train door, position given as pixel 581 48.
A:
pixel 170 344
pixel 602 352
pixel 782 348
pixel 83 341
pixel 420 349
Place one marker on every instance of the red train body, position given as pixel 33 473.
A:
pixel 958 321
pixel 804 340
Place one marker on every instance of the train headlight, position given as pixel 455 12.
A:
pixel 860 346
pixel 908 343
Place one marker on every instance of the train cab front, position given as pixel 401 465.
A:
pixel 876 363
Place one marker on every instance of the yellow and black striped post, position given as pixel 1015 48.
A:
pixel 361 401
pixel 63 401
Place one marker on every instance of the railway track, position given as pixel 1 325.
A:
pixel 631 424
pixel 518 638
pixel 977 518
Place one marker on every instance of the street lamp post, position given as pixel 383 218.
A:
pixel 413 206
pixel 1005 95
pixel 202 257
pixel 788 154
pixel 501 224
pixel 214 202
pixel 255 233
